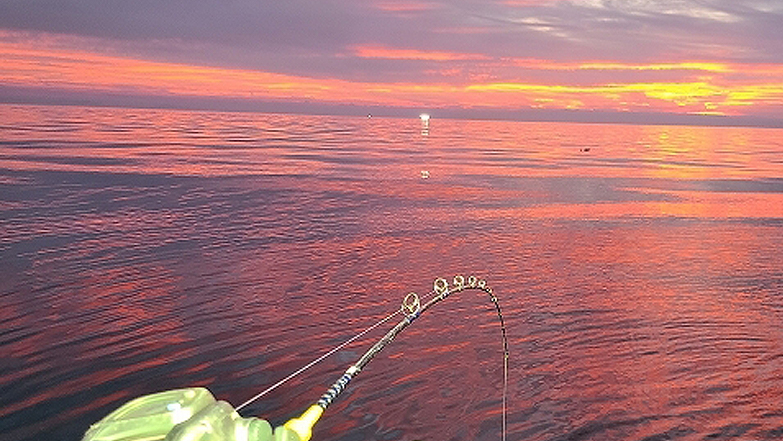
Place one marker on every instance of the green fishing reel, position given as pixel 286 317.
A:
pixel 192 415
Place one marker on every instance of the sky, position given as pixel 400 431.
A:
pixel 720 60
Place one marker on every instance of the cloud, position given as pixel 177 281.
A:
pixel 57 68
pixel 405 6
pixel 293 23
pixel 371 51
pixel 281 32
pixel 725 54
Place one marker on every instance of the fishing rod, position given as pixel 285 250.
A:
pixel 193 414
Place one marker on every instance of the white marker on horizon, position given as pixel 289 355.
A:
pixel 425 124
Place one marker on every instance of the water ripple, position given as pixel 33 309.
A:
pixel 143 250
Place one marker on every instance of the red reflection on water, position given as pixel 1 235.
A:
pixel 88 321
pixel 219 144
pixel 634 292
pixel 690 205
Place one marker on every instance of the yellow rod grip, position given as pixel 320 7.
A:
pixel 303 426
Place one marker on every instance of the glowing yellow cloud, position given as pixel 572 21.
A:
pixel 601 65
pixel 680 93
pixel 708 67
pixel 708 96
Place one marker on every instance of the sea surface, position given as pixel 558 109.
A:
pixel 639 269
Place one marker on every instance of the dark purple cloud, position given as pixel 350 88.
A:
pixel 318 38
pixel 332 25
pixel 289 24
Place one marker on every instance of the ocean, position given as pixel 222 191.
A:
pixel 639 270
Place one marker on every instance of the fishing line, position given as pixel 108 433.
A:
pixel 317 360
pixel 323 357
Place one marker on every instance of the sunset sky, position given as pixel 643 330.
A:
pixel 477 57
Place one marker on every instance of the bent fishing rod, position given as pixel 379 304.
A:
pixel 193 414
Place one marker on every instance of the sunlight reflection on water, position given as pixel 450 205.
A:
pixel 639 269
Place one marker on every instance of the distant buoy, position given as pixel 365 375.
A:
pixel 369 115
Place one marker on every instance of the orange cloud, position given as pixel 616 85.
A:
pixel 413 54
pixel 377 51
pixel 57 68
pixel 75 69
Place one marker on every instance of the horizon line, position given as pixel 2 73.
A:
pixel 67 98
